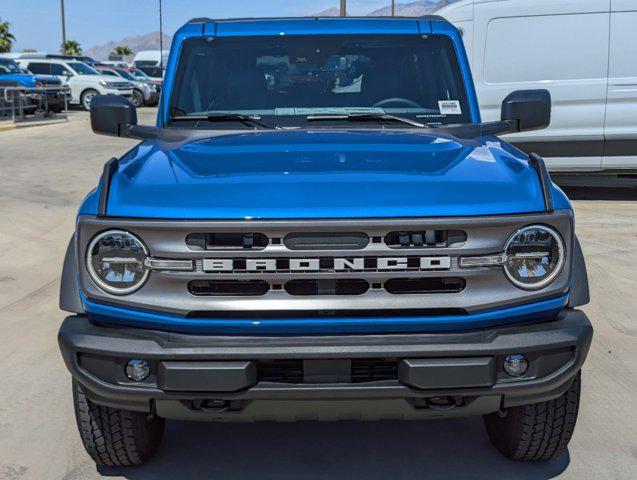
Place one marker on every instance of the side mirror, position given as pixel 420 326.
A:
pixel 530 109
pixel 116 116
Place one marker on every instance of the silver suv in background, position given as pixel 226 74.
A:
pixel 145 91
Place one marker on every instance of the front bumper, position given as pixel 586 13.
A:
pixel 223 378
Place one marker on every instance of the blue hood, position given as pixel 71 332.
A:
pixel 324 174
pixel 24 79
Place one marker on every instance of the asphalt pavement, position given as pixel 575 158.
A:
pixel 45 172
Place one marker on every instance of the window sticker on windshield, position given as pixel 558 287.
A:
pixel 449 107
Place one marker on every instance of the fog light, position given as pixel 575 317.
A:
pixel 516 365
pixel 137 370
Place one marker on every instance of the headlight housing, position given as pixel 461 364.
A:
pixel 535 256
pixel 115 260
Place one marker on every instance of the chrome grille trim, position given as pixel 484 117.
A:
pixel 486 286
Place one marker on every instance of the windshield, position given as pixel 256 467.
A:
pixel 285 80
pixel 9 66
pixel 134 75
pixel 82 68
pixel 125 74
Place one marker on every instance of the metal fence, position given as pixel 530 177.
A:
pixel 22 104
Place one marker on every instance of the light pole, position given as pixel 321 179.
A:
pixel 343 8
pixel 63 22
pixel 393 8
pixel 161 43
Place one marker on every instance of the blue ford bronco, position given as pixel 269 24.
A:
pixel 320 227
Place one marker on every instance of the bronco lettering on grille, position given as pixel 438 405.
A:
pixel 325 264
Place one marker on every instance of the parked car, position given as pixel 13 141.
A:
pixel 582 52
pixel 144 92
pixel 46 99
pixel 291 241
pixel 79 58
pixel 151 62
pixel 84 81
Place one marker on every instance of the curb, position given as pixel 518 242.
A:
pixel 32 124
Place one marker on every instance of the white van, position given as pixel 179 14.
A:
pixel 151 62
pixel 84 81
pixel 583 51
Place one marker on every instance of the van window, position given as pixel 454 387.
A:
pixel 38 68
pixel 555 47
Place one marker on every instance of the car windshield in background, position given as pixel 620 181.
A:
pixel 82 68
pixel 289 80
pixel 125 74
pixel 136 75
pixel 9 66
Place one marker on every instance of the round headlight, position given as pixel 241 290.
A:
pixel 115 262
pixel 535 257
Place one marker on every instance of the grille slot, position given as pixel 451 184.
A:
pixel 280 371
pixel 398 286
pixel 227 241
pixel 426 238
pixel 337 313
pixel 221 288
pixel 326 241
pixel 374 370
pixel 327 287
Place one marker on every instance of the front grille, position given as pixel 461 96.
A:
pixel 226 241
pixel 362 370
pixel 426 238
pixel 228 287
pixel 280 371
pixel 326 286
pixel 374 370
pixel 325 269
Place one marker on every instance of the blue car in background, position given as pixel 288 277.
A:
pixel 321 227
pixel 50 99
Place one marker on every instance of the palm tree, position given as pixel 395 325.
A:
pixel 122 51
pixel 6 39
pixel 71 47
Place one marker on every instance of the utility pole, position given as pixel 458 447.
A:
pixel 161 43
pixel 393 8
pixel 343 8
pixel 63 22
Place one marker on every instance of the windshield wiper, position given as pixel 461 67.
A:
pixel 366 117
pixel 248 120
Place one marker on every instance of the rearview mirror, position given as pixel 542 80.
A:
pixel 116 116
pixel 530 109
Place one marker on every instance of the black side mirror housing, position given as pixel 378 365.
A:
pixel 112 115
pixel 530 109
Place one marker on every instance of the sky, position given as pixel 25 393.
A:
pixel 36 24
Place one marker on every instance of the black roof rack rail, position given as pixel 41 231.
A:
pixel 437 18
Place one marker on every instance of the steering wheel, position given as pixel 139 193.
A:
pixel 397 101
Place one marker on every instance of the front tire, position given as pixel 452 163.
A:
pixel 138 98
pixel 115 437
pixel 536 432
pixel 87 96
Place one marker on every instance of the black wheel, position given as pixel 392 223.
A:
pixel 116 437
pixel 87 96
pixel 138 98
pixel 540 431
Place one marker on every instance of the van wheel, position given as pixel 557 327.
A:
pixel 86 98
pixel 138 98
pixel 540 431
pixel 116 437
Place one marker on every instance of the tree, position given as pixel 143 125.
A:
pixel 71 47
pixel 6 39
pixel 122 51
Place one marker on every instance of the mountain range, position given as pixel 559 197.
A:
pixel 150 41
